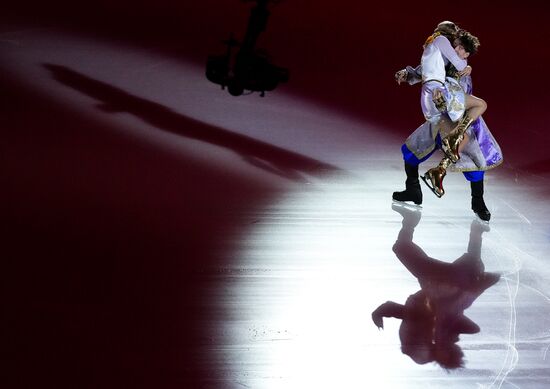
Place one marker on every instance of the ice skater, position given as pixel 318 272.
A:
pixel 454 123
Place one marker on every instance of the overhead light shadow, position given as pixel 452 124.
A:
pixel 268 157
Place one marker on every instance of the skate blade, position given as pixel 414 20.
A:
pixel 405 205
pixel 428 183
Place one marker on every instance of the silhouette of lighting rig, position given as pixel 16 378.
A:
pixel 247 68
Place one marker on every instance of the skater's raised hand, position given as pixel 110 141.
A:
pixel 401 76
pixel 466 72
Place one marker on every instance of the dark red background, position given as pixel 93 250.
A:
pixel 101 281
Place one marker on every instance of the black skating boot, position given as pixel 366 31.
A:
pixel 478 205
pixel 412 191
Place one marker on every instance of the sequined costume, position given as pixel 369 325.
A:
pixel 438 54
pixel 446 124
pixel 480 153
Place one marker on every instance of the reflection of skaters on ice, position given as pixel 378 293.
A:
pixel 433 318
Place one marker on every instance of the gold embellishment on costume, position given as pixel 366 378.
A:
pixel 452 72
pixel 455 87
pixel 451 143
pixel 477 168
pixel 445 162
pixel 440 102
pixel 456 105
pixel 431 38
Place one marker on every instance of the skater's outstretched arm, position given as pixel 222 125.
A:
pixel 410 75
pixel 388 309
pixel 448 52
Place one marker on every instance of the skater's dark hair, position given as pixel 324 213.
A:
pixel 449 356
pixel 468 41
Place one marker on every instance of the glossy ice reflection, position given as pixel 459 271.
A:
pixel 336 256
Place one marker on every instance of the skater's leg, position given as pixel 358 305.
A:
pixel 463 143
pixel 412 191
pixel 451 145
pixel 475 107
pixel 477 187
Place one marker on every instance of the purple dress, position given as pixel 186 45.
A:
pixel 482 151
